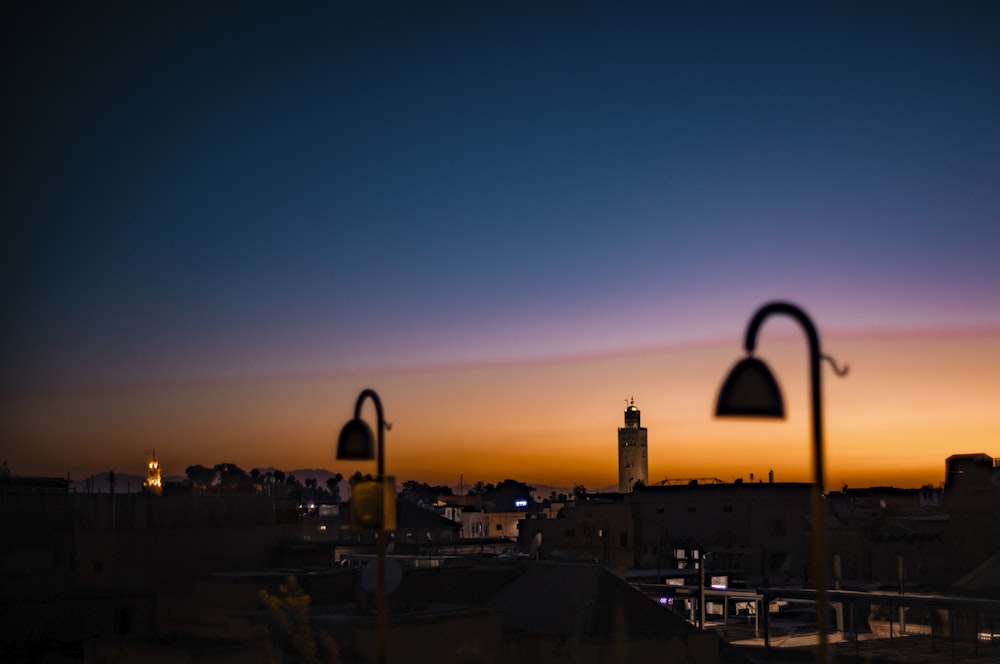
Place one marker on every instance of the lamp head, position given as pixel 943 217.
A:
pixel 750 390
pixel 356 442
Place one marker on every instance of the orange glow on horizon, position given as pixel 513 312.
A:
pixel 909 402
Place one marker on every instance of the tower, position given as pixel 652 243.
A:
pixel 153 483
pixel 633 465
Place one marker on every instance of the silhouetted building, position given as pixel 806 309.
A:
pixel 763 528
pixel 633 462
pixel 492 611
pixel 971 470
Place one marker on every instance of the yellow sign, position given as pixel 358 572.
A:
pixel 373 504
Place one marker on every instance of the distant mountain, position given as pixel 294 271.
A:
pixel 98 483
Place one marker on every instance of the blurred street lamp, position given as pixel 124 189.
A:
pixel 373 502
pixel 750 390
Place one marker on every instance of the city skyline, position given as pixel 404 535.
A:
pixel 226 223
pixel 685 439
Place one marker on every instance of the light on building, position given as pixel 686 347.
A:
pixel 153 483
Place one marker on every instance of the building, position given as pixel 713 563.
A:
pixel 154 482
pixel 633 461
pixel 753 530
pixel 971 470
pixel 479 612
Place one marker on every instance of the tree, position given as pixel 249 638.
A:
pixel 579 491
pixel 199 476
pixel 420 492
pixel 358 477
pixel 333 486
pixel 291 630
pixel 511 493
pixel 480 489
pixel 293 486
pixel 505 495
pixel 231 476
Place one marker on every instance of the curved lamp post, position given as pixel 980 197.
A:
pixel 356 443
pixel 750 390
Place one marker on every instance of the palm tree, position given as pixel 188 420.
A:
pixel 333 485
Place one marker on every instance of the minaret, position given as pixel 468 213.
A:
pixel 633 465
pixel 153 483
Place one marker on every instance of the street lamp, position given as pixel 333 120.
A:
pixel 750 390
pixel 372 502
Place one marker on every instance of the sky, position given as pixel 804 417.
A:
pixel 223 222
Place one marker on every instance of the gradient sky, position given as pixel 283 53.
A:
pixel 222 222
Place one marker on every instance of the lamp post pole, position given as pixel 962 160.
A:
pixel 380 532
pixel 818 513
pixel 380 598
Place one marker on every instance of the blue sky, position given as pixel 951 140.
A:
pixel 195 192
